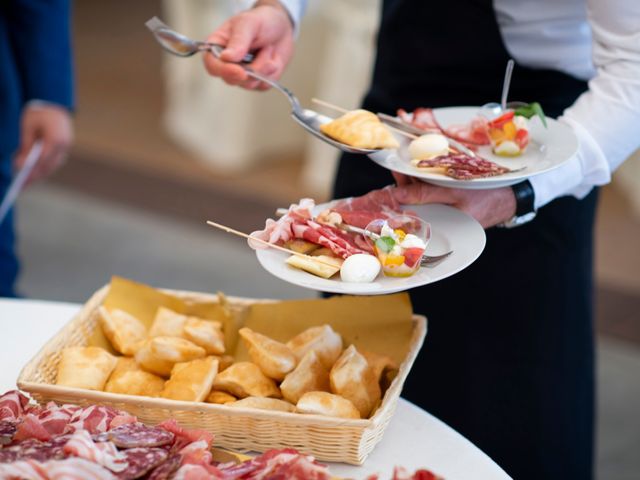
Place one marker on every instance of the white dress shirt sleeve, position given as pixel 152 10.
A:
pixel 295 8
pixel 606 118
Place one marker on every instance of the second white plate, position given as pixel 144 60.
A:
pixel 451 229
pixel 549 148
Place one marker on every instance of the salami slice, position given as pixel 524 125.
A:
pixel 166 469
pixel 7 431
pixel 138 434
pixel 141 461
pixel 35 450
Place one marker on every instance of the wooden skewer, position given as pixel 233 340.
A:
pixel 342 110
pixel 390 127
pixel 269 244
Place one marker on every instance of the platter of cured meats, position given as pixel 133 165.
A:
pixel 467 147
pixel 369 245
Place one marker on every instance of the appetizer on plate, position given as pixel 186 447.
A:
pixel 337 240
pixel 509 132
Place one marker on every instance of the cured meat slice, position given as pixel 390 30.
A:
pixel 165 470
pixel 281 231
pixel 7 431
pixel 422 474
pixel 287 463
pixel 68 469
pixel 31 427
pixel 184 436
pixel 12 405
pixel 140 461
pixel 104 453
pixel 473 134
pixel 54 418
pixel 35 450
pixel 138 434
pixel 94 419
pixel 464 167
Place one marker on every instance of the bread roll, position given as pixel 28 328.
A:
pixel 159 354
pixel 221 398
pixel 245 379
pixel 206 334
pixel 323 403
pixel 275 359
pixel 309 376
pixel 352 378
pixel 167 323
pixel 323 340
pixel 122 329
pixel 85 367
pixel 191 381
pixel 129 378
pixel 384 368
pixel 264 403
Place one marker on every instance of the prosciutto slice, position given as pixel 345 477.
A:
pixel 68 469
pixel 360 211
pixel 473 135
pixel 12 405
pixel 281 230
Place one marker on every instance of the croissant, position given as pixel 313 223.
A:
pixel 361 129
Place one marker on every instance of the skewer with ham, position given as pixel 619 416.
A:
pixel 473 135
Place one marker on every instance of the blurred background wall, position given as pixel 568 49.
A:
pixel 161 147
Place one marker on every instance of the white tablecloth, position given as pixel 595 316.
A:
pixel 414 438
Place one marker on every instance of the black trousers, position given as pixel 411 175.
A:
pixel 508 358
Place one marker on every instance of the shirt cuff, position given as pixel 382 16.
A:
pixel 37 104
pixel 295 9
pixel 577 176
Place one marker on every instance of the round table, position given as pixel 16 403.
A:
pixel 414 439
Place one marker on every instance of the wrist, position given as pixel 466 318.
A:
pixel 278 6
pixel 524 203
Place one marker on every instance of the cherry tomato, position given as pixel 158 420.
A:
pixel 522 138
pixel 502 119
pixel 412 256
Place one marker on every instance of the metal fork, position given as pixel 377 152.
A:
pixel 182 46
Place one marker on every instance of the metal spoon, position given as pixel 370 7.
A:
pixel 496 109
pixel 182 46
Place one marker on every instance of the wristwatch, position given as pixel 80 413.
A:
pixel 525 210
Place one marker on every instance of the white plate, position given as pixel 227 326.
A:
pixel 450 230
pixel 549 148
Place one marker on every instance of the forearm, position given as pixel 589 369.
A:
pixel 606 118
pixel 40 37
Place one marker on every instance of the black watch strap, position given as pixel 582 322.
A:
pixel 525 198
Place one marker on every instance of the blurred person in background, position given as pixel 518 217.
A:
pixel 508 361
pixel 36 97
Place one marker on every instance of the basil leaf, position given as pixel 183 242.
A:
pixel 385 244
pixel 537 110
pixel 531 110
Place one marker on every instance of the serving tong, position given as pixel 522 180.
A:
pixel 182 46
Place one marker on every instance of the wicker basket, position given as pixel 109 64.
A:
pixel 240 429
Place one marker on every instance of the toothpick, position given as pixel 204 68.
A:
pixel 269 244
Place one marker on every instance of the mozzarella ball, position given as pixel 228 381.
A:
pixel 360 268
pixel 428 146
